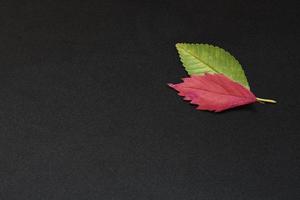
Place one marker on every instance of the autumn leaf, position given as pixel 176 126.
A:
pixel 215 92
pixel 199 59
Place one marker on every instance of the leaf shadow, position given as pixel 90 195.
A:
pixel 243 108
pixel 246 108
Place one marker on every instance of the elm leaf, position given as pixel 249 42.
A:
pixel 213 92
pixel 199 59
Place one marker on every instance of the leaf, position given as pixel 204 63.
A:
pixel 214 92
pixel 199 59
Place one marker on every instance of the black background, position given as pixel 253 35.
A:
pixel 85 112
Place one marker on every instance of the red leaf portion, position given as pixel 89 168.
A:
pixel 214 92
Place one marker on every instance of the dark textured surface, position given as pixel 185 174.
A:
pixel 85 112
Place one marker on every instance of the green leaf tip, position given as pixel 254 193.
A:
pixel 199 59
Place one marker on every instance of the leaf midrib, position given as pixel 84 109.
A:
pixel 189 52
pixel 241 97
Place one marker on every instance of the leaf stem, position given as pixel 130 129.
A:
pixel 261 100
